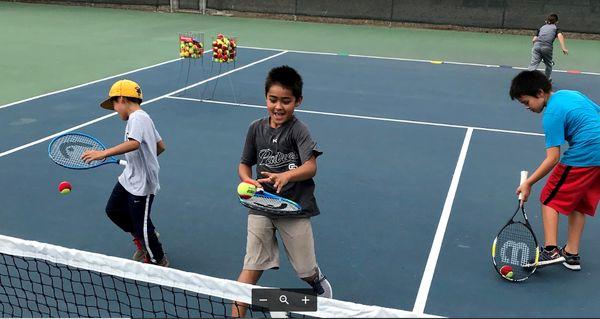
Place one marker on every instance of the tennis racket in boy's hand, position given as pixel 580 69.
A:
pixel 258 199
pixel 66 150
pixel 515 251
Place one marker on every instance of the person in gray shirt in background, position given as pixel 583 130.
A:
pixel 542 45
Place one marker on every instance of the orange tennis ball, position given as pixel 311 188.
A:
pixel 64 187
pixel 246 190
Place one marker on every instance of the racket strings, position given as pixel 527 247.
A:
pixel 67 150
pixel 517 247
pixel 270 203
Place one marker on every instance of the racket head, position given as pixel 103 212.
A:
pixel 66 150
pixel 270 203
pixel 516 247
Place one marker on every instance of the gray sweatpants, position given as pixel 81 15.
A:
pixel 541 53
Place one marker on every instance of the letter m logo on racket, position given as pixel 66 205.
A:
pixel 519 253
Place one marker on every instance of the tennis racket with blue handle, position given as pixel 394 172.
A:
pixel 270 203
pixel 66 150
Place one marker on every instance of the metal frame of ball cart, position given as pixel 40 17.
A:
pixel 194 35
pixel 230 65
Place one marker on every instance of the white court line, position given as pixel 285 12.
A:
pixel 144 103
pixel 407 59
pixel 434 253
pixel 366 117
pixel 86 84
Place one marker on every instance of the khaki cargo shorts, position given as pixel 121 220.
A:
pixel 262 251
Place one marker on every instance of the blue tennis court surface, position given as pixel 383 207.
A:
pixel 421 162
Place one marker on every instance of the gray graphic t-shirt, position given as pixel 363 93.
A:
pixel 279 150
pixel 546 34
pixel 140 176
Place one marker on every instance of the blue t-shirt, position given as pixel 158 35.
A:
pixel 571 116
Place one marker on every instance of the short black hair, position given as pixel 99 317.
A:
pixel 130 99
pixel 552 18
pixel 286 77
pixel 529 83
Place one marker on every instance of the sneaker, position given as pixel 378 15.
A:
pixel 321 286
pixel 572 262
pixel 551 257
pixel 140 255
pixel 164 262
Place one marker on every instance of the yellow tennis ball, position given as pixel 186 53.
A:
pixel 509 275
pixel 246 190
pixel 65 191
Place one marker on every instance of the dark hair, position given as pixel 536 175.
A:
pixel 552 18
pixel 286 77
pixel 130 99
pixel 529 83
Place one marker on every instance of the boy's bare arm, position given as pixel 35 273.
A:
pixel 561 40
pixel 125 147
pixel 160 147
pixel 245 174
pixel 552 158
pixel 534 38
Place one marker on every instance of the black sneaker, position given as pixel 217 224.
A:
pixel 572 262
pixel 321 286
pixel 551 257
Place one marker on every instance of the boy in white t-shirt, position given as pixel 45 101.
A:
pixel 131 200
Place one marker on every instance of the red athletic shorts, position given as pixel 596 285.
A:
pixel 571 189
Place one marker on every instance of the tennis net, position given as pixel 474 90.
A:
pixel 44 280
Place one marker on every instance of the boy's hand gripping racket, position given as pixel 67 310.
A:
pixel 515 251
pixel 66 150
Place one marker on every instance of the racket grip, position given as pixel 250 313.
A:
pixel 524 175
pixel 123 162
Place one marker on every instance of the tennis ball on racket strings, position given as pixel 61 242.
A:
pixel 246 190
pixel 64 187
pixel 506 270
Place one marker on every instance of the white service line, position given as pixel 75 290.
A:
pixel 406 59
pixel 86 84
pixel 144 103
pixel 292 51
pixel 365 117
pixel 434 253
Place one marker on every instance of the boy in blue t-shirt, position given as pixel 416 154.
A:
pixel 573 188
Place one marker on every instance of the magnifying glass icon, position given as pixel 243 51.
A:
pixel 283 299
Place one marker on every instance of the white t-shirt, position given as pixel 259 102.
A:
pixel 140 176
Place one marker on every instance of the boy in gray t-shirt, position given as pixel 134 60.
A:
pixel 286 161
pixel 543 45
pixel 131 200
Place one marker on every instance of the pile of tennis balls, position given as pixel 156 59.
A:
pixel 224 49
pixel 190 47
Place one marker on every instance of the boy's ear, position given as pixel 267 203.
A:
pixel 298 101
pixel 540 93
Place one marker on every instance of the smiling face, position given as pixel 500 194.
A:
pixel 280 104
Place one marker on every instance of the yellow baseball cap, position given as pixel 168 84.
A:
pixel 125 88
